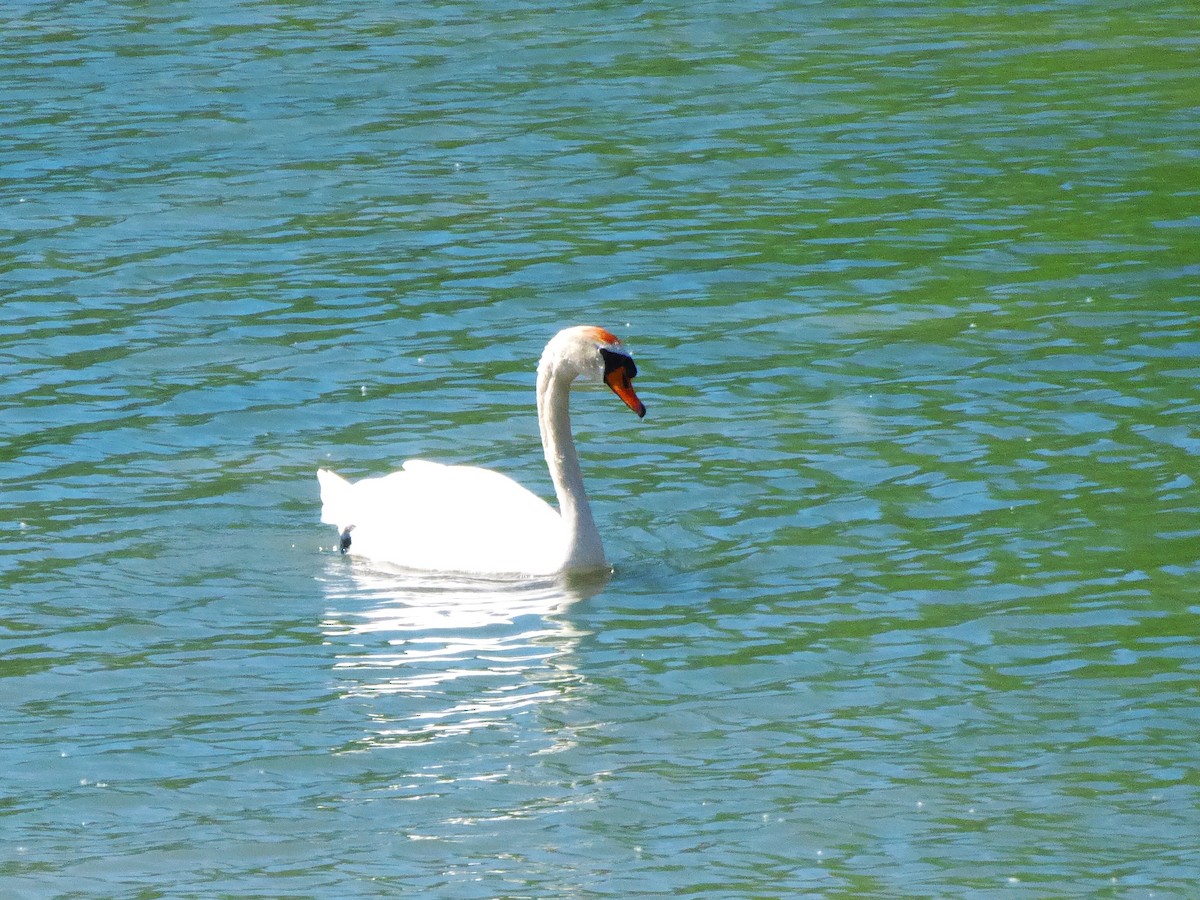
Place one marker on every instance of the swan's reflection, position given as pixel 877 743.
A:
pixel 436 656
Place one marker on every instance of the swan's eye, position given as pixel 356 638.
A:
pixel 614 361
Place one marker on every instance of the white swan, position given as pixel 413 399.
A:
pixel 467 519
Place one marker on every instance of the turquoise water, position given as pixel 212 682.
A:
pixel 906 549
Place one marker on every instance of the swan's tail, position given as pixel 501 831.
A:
pixel 337 506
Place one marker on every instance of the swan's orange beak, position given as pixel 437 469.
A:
pixel 622 385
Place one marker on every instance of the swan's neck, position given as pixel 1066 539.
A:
pixel 584 549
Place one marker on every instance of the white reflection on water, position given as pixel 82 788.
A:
pixel 438 656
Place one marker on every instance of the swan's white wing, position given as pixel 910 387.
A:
pixel 452 518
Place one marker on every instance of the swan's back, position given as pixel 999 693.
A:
pixel 452 518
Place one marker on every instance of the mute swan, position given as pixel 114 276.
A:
pixel 467 519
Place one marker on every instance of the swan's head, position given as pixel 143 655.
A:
pixel 594 354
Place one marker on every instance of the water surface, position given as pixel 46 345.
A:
pixel 905 550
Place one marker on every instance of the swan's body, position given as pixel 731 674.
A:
pixel 467 519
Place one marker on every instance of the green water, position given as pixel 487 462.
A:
pixel 905 550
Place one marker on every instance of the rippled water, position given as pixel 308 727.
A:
pixel 905 550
